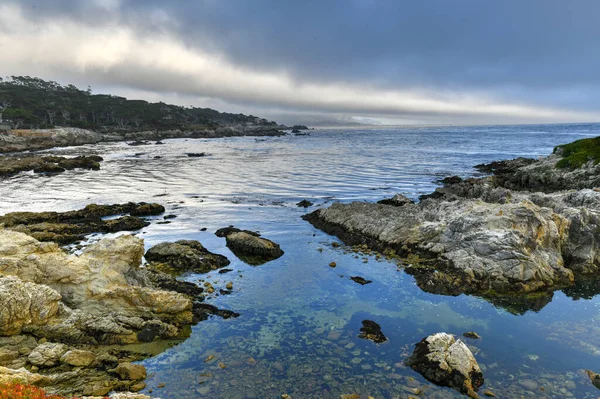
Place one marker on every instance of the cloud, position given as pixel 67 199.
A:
pixel 232 63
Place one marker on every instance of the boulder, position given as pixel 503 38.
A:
pixel 304 204
pixel 252 249
pixel 445 361
pixel 186 255
pixel 128 371
pixel 78 358
pixel 47 354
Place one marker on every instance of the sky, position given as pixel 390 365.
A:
pixel 320 61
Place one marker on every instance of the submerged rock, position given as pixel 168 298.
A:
pixel 472 335
pixel 372 331
pixel 185 255
pixel 443 360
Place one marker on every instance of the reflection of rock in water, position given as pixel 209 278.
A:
pixel 584 288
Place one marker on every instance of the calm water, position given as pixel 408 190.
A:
pixel 299 322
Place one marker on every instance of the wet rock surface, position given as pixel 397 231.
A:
pixel 443 360
pixel 249 246
pixel 73 226
pixel 360 280
pixel 12 165
pixel 184 256
pixel 304 204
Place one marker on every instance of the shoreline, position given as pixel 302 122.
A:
pixel 69 137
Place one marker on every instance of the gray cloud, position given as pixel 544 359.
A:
pixel 465 60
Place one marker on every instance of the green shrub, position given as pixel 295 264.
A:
pixel 578 153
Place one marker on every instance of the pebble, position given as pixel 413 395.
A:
pixel 332 264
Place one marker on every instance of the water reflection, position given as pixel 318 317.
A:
pixel 300 319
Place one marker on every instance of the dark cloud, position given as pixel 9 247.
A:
pixel 542 53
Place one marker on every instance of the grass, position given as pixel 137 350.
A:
pixel 578 153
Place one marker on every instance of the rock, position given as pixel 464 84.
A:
pixel 332 264
pixel 445 361
pixel 225 231
pixel 372 331
pixel 229 285
pixel 471 334
pixel 451 180
pixel 489 393
pixel 70 227
pixel 11 165
pixel 186 255
pixel 78 358
pixel 23 304
pixel 595 378
pixel 360 280
pixel 252 249
pixel 138 143
pixel 396 200
pixel 128 371
pixel 304 204
pixel 196 154
pixel 47 354
pixel 98 302
pixel 528 384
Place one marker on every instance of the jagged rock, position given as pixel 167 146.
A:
pixel 396 200
pixel 595 378
pixel 23 304
pixel 78 358
pixel 47 354
pixel 128 371
pixel 443 360
pixel 372 331
pixel 186 255
pixel 252 249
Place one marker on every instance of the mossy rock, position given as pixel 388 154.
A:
pixel 578 153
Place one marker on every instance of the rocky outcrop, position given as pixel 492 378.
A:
pixel 443 360
pixel 97 303
pixel 184 256
pixel 73 226
pixel 249 246
pixel 24 303
pixel 11 165
pixel 477 236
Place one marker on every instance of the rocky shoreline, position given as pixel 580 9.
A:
pixel 498 237
pixel 67 137
pixel 74 323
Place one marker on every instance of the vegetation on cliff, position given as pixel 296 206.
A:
pixel 29 102
pixel 578 153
